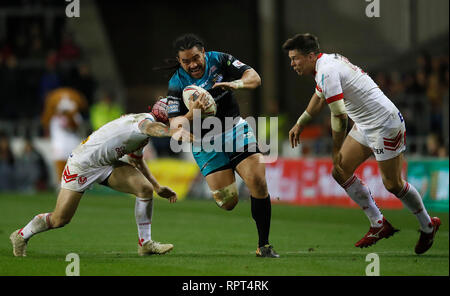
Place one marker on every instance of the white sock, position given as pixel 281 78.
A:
pixel 143 211
pixel 360 194
pixel 413 202
pixel 38 224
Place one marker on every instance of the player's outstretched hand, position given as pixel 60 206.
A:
pixel 227 85
pixel 168 193
pixel 294 135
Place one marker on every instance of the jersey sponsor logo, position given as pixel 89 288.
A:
pixel 238 64
pixel 174 107
pixel 217 78
pixel 378 150
pixel 171 99
pixel 67 176
pixel 213 68
pixel 82 180
pixel 204 84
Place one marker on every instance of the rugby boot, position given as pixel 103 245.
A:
pixel 151 247
pixel 426 239
pixel 375 234
pixel 19 244
pixel 266 251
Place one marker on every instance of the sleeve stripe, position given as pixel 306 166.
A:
pixel 335 98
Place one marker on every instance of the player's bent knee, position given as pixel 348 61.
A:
pixel 393 187
pixel 258 186
pixel 146 191
pixel 227 197
pixel 340 177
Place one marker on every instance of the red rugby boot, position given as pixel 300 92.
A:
pixel 375 234
pixel 426 239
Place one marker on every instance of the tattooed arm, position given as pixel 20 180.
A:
pixel 158 129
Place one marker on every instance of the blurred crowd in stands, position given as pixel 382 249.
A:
pixel 45 79
pixel 422 96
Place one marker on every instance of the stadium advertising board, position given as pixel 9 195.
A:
pixel 309 182
pixel 431 179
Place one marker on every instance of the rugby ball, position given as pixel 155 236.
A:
pixel 193 92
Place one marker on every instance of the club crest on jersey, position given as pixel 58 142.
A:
pixel 82 180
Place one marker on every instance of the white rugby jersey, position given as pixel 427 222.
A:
pixel 338 79
pixel 112 141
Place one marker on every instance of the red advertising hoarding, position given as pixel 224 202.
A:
pixel 309 182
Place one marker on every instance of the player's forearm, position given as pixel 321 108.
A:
pixel 158 129
pixel 339 131
pixel 250 79
pixel 315 105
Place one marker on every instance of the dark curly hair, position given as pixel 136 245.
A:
pixel 305 43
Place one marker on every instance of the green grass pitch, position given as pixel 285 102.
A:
pixel 209 241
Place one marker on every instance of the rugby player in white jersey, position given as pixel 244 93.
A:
pixel 111 156
pixel 378 129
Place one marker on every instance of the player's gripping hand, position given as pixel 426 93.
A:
pixel 168 193
pixel 294 135
pixel 201 103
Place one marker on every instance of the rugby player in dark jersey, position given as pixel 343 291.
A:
pixel 220 74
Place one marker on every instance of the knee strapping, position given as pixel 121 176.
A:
pixel 227 197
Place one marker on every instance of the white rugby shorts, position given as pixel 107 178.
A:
pixel 387 140
pixel 80 178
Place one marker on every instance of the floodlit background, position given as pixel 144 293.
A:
pixel 80 72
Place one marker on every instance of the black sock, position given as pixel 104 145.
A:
pixel 261 213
